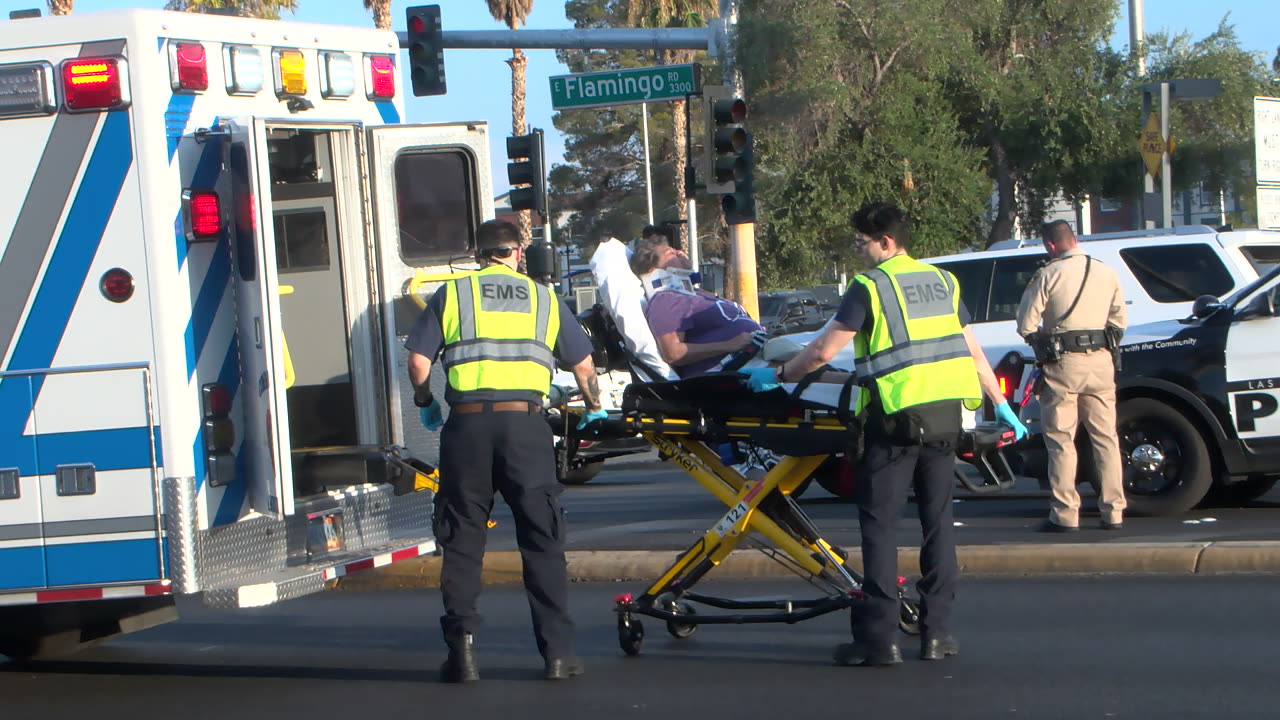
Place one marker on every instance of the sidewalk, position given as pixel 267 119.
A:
pixel 1197 558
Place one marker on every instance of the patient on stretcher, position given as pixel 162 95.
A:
pixel 695 330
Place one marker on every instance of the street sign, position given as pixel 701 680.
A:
pixel 1266 138
pixel 1151 144
pixel 625 87
pixel 1269 208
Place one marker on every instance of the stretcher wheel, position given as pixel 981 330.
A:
pixel 630 634
pixel 909 616
pixel 681 630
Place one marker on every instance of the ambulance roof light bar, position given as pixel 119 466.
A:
pixel 290 67
pixel 380 77
pixel 338 72
pixel 243 69
pixel 188 67
pixel 90 84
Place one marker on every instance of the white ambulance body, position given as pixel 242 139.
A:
pixel 207 227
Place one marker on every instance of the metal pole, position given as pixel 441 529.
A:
pixel 1148 181
pixel 599 39
pixel 691 210
pixel 1137 36
pixel 742 238
pixel 648 179
pixel 1166 181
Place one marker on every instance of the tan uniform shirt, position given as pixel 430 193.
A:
pixel 1054 287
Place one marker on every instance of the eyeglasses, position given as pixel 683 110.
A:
pixel 501 253
pixel 860 241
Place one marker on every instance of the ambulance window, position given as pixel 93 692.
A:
pixel 974 278
pixel 302 241
pixel 435 205
pixel 1262 257
pixel 1008 283
pixel 1178 273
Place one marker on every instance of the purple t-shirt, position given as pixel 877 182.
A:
pixel 703 318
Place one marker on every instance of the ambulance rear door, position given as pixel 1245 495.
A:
pixel 430 190
pixel 265 447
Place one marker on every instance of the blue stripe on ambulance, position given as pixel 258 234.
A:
pixel 388 111
pixel 206 305
pixel 233 497
pixel 37 344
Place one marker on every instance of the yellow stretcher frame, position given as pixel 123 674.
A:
pixel 762 506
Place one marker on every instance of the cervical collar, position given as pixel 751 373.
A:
pixel 681 281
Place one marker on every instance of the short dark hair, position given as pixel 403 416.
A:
pixel 661 230
pixel 495 234
pixel 879 219
pixel 1056 231
pixel 645 256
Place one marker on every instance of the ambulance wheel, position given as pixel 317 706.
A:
pixel 909 616
pixel 1167 470
pixel 630 635
pixel 681 630
pixel 19 647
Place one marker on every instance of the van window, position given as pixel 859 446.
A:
pixel 1178 273
pixel 434 204
pixel 1008 283
pixel 302 240
pixel 1262 257
pixel 974 277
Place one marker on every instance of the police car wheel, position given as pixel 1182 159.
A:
pixel 1167 469
pixel 1241 492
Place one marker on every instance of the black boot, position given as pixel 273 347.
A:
pixel 865 655
pixel 938 647
pixel 563 668
pixel 461 665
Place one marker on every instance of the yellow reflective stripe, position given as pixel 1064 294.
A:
pixel 499 350
pixel 916 352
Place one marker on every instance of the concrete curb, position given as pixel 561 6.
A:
pixel 1196 558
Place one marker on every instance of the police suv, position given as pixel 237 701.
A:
pixel 1198 412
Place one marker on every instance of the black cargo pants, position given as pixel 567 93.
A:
pixel 885 472
pixel 511 453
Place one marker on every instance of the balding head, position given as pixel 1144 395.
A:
pixel 1058 238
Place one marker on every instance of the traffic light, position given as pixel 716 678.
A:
pixel 729 156
pixel 526 168
pixel 426 50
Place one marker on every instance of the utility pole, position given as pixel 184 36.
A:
pixel 742 237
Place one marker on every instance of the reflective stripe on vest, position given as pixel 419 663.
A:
pixel 917 353
pixel 499 328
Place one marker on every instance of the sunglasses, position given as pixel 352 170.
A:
pixel 501 253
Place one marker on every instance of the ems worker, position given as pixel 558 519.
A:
pixel 917 362
pixel 1072 314
pixel 501 333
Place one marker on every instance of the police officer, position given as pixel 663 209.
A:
pixel 917 363
pixel 500 332
pixel 1072 313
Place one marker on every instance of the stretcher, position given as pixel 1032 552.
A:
pixel 801 426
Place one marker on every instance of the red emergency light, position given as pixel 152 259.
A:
pixel 190 68
pixel 204 212
pixel 116 285
pixel 94 83
pixel 382 77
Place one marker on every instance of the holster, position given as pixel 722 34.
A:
pixel 1047 347
pixel 1114 336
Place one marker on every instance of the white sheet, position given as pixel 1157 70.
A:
pixel 622 295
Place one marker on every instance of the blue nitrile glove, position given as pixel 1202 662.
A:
pixel 761 379
pixel 1006 415
pixel 591 416
pixel 431 416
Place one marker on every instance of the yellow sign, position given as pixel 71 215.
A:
pixel 1151 144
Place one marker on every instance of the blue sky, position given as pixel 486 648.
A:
pixel 480 82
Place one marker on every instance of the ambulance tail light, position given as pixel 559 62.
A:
pixel 380 77
pixel 95 83
pixel 202 211
pixel 116 285
pixel 219 434
pixel 188 66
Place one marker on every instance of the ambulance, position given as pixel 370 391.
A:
pixel 208 228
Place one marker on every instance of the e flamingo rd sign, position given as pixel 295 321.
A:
pixel 625 87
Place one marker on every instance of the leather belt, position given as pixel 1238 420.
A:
pixel 504 406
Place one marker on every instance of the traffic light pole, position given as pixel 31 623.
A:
pixel 742 237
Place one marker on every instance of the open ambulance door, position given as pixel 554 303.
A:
pixel 265 448
pixel 430 190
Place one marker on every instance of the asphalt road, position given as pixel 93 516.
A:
pixel 651 505
pixel 1087 647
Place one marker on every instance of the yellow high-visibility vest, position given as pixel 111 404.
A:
pixel 499 329
pixel 915 352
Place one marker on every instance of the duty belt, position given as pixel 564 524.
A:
pixel 1082 340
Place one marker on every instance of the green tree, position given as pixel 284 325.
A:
pixel 60 7
pixel 266 9
pixel 514 13
pixel 1213 138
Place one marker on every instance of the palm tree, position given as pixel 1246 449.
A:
pixel 266 9
pixel 381 13
pixel 60 7
pixel 514 13
pixel 674 13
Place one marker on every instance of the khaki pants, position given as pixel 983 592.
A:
pixel 1081 389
